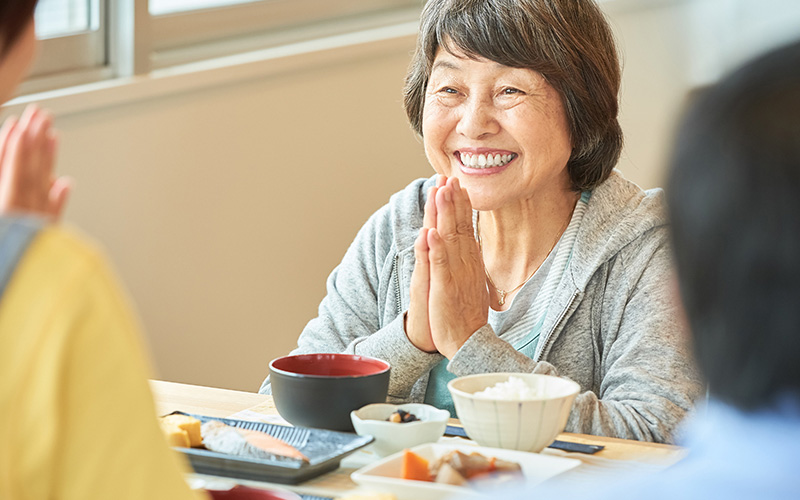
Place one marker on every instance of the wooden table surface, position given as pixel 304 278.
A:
pixel 172 396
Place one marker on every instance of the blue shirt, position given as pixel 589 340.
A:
pixel 732 455
pixel 16 233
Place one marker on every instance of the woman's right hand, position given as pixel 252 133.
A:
pixel 27 158
pixel 417 322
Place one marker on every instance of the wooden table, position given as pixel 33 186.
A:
pixel 171 396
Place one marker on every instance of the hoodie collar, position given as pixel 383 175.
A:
pixel 619 212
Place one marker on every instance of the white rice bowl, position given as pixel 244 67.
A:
pixel 518 411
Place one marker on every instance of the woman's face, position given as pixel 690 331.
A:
pixel 502 131
pixel 16 61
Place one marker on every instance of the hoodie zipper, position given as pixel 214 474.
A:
pixel 546 339
pixel 397 295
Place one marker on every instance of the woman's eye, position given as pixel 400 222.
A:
pixel 511 91
pixel 448 90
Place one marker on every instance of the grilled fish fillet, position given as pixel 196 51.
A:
pixel 223 438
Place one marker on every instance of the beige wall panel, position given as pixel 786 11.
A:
pixel 225 209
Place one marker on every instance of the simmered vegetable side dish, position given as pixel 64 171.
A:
pixel 459 469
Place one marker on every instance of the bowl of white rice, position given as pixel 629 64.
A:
pixel 518 411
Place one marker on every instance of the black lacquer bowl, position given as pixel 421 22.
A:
pixel 320 390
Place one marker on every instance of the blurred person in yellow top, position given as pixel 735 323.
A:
pixel 77 419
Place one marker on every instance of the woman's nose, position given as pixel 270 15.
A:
pixel 477 119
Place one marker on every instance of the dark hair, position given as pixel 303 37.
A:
pixel 568 42
pixel 734 200
pixel 14 17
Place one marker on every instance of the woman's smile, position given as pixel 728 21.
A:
pixel 483 158
pixel 483 161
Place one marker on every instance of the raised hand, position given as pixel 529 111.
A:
pixel 417 323
pixel 458 300
pixel 27 158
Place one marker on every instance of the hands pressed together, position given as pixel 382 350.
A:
pixel 27 159
pixel 449 300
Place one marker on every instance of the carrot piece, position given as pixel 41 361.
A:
pixel 414 467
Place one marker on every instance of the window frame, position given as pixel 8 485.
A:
pixel 132 42
pixel 69 53
pixel 205 34
pixel 181 29
pixel 72 52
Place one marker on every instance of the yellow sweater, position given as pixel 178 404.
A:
pixel 77 419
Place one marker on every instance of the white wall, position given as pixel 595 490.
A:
pixel 224 209
pixel 670 47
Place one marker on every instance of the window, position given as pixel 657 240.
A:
pixel 66 17
pixel 72 36
pixel 185 30
pixel 89 40
pixel 158 7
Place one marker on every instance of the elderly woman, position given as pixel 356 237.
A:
pixel 527 252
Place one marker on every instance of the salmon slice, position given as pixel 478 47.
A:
pixel 224 438
pixel 265 442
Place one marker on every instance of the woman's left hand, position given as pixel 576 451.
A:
pixel 458 302
pixel 27 159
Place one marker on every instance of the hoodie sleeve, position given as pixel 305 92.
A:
pixel 648 381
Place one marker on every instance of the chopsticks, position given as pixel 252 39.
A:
pixel 589 449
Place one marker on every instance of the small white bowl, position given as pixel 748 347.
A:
pixel 525 424
pixel 391 437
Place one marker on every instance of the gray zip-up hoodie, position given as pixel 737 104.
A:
pixel 613 326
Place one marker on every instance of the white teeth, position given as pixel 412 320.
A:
pixel 485 161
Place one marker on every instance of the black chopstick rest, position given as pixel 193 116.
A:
pixel 452 430
pixel 589 449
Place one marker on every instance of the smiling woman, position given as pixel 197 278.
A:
pixel 527 252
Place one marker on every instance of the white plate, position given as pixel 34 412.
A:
pixel 384 475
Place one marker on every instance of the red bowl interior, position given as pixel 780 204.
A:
pixel 240 492
pixel 329 365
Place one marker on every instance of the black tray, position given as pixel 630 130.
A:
pixel 324 449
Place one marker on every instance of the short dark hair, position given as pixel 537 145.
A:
pixel 14 18
pixel 568 42
pixel 734 200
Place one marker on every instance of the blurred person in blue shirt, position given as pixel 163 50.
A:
pixel 734 201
